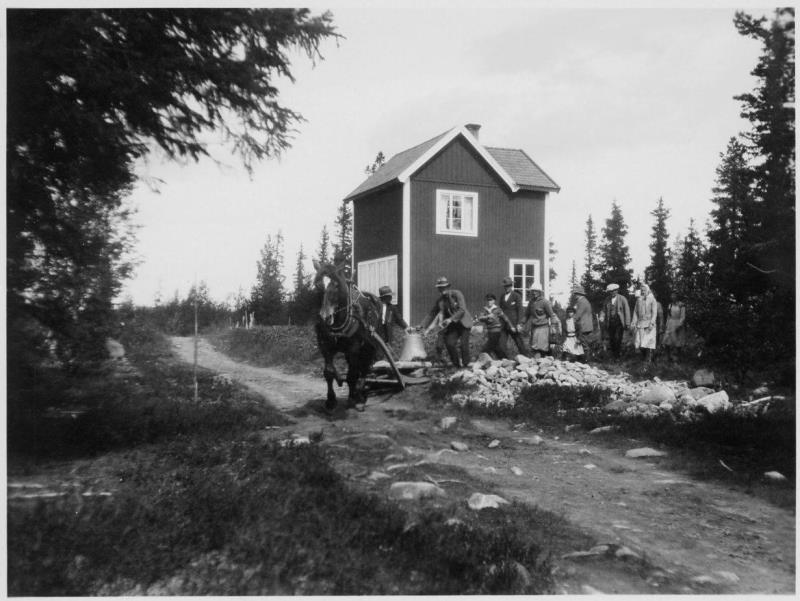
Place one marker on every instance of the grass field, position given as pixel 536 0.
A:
pixel 199 504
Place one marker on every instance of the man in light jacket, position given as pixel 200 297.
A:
pixel 617 315
pixel 584 322
pixel 645 324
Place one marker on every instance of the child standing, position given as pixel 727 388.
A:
pixel 495 320
pixel 571 348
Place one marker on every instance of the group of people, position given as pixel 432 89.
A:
pixel 533 328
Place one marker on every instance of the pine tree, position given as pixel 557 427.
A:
pixel 376 164
pixel 303 304
pixel 343 247
pixel 590 280
pixel 770 109
pixel 324 246
pixel 552 274
pixel 615 256
pixel 267 295
pixel 690 270
pixel 573 278
pixel 658 274
pixel 733 226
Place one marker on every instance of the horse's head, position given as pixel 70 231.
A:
pixel 331 282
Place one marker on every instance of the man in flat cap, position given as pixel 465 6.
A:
pixel 617 315
pixel 457 322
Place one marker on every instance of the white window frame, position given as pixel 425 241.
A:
pixel 364 267
pixel 442 199
pixel 536 275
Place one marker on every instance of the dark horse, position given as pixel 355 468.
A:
pixel 346 324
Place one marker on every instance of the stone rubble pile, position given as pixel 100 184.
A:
pixel 499 383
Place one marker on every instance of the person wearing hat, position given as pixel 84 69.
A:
pixel 512 306
pixel 617 318
pixel 457 322
pixel 539 314
pixel 390 316
pixel 645 324
pixel 584 323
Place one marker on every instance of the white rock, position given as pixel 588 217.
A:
pixel 602 429
pixel 644 452
pixel 494 444
pixel 375 475
pixel 534 440
pixel 516 471
pixel 447 422
pixel 775 476
pixel 699 392
pixel 590 466
pixel 480 501
pixel 703 377
pixel 491 371
pixel 656 394
pixel 523 360
pixel 459 446
pixel 625 553
pixel 590 590
pixel 714 402
pixel 296 441
pixel 411 491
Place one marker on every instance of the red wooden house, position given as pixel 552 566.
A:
pixel 451 207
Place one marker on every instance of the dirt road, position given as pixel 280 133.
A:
pixel 696 536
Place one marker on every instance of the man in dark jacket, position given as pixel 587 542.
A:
pixel 390 316
pixel 617 316
pixel 512 306
pixel 584 322
pixel 457 322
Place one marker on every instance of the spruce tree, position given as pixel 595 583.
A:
pixel 658 274
pixel 552 274
pixel 267 295
pixel 733 227
pixel 690 269
pixel 343 247
pixel 770 110
pixel 323 249
pixel 590 281
pixel 615 258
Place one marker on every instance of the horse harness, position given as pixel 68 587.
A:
pixel 351 320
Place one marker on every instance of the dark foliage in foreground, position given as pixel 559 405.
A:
pixel 209 506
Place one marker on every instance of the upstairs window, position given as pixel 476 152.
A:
pixel 456 213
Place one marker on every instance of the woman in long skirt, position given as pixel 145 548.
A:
pixel 538 315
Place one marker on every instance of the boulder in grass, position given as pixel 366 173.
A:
pixel 644 452
pixel 774 477
pixel 703 377
pixel 461 447
pixel 655 394
pixel 615 406
pixel 699 392
pixel 448 422
pixel 480 501
pixel 714 402
pixel 413 491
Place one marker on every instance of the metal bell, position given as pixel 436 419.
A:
pixel 413 348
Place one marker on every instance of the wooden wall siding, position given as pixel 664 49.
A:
pixel 459 163
pixel 508 227
pixel 378 229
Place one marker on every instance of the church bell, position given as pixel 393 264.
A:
pixel 413 348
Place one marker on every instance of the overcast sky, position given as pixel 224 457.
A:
pixel 614 104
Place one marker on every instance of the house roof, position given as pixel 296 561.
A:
pixel 525 172
pixel 513 166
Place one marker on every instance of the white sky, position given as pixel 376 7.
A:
pixel 625 104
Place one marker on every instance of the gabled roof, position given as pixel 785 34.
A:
pixel 526 173
pixel 514 167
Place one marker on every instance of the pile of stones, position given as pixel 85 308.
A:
pixel 500 382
